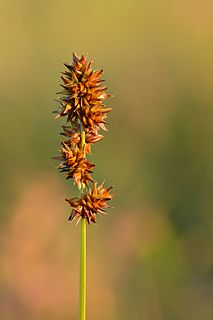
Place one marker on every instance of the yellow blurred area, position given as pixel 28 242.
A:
pixel 151 256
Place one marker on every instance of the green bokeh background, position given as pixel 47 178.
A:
pixel 151 256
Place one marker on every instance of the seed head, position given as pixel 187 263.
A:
pixel 82 104
pixel 75 165
pixel 83 94
pixel 90 204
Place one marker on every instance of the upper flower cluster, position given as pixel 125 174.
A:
pixel 82 103
pixel 83 94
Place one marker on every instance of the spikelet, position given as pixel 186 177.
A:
pixel 75 165
pixel 83 95
pixel 90 204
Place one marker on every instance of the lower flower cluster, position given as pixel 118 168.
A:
pixel 82 103
pixel 90 204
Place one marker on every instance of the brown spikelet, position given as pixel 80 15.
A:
pixel 90 204
pixel 83 95
pixel 75 165
pixel 74 139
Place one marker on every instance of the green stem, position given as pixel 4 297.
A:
pixel 82 302
pixel 83 271
pixel 82 138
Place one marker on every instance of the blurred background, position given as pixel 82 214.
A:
pixel 151 256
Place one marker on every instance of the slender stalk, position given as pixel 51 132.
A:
pixel 82 299
pixel 83 271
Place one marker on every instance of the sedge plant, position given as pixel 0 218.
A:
pixel 81 103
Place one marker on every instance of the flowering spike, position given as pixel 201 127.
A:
pixel 82 103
